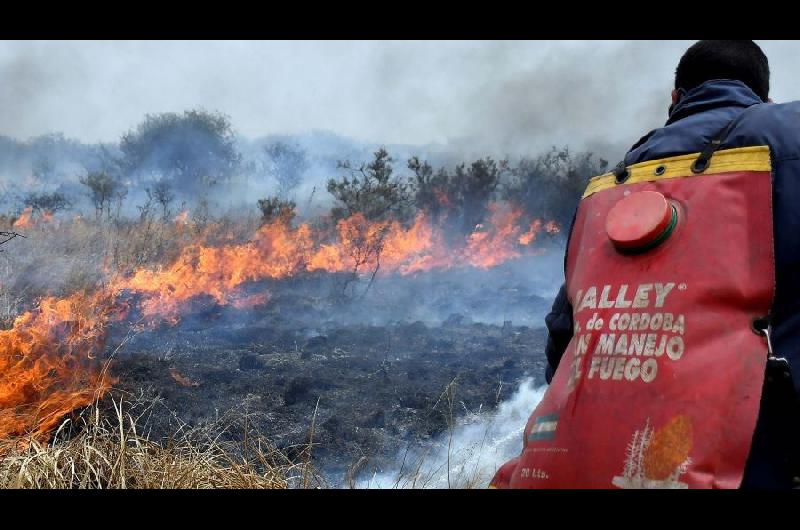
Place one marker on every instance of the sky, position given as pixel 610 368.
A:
pixel 512 96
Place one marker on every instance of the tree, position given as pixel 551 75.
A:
pixel 432 192
pixel 276 209
pixel 363 242
pixel 105 159
pixel 43 167
pixel 369 200
pixel 163 195
pixel 195 149
pixel 371 190
pixel 103 188
pixel 49 152
pixel 47 202
pixel 474 188
pixel 551 185
pixel 462 197
pixel 120 193
pixel 288 163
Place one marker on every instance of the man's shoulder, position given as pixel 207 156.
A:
pixel 774 114
pixel 773 124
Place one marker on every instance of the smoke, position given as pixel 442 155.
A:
pixel 600 97
pixel 444 93
pixel 492 94
pixel 443 101
pixel 472 451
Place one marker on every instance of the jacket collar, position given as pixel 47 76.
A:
pixel 713 94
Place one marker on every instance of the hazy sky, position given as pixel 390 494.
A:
pixel 486 94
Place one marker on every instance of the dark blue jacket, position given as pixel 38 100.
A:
pixel 698 117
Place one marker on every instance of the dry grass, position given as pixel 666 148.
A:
pixel 111 453
pixel 65 256
pixel 108 446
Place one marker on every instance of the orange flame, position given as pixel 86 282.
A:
pixel 278 251
pixel 182 380
pixel 530 236
pixel 182 218
pixel 24 220
pixel 47 362
pixel 494 245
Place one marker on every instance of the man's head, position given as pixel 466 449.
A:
pixel 741 60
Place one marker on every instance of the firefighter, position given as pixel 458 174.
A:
pixel 705 209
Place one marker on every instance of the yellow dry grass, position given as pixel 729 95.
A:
pixel 108 452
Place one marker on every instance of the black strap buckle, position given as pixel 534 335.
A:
pixel 702 162
pixel 621 173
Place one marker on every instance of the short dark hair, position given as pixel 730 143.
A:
pixel 741 60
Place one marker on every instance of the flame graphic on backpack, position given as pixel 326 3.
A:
pixel 658 459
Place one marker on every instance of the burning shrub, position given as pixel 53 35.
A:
pixel 371 191
pixel 460 198
pixel 47 203
pixel 103 188
pixel 276 209
pixel 163 195
pixel 432 192
pixel 474 188
pixel 364 243
pixel 552 184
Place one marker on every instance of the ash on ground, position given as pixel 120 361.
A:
pixel 354 369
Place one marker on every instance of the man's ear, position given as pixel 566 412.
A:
pixel 675 96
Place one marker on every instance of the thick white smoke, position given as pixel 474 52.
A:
pixel 469 454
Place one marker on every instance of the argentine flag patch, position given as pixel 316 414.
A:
pixel 544 428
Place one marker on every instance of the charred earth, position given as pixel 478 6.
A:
pixel 360 372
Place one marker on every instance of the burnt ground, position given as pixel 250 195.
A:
pixel 374 387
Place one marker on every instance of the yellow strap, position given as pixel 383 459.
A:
pixel 754 158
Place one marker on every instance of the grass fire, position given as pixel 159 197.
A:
pixel 269 313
